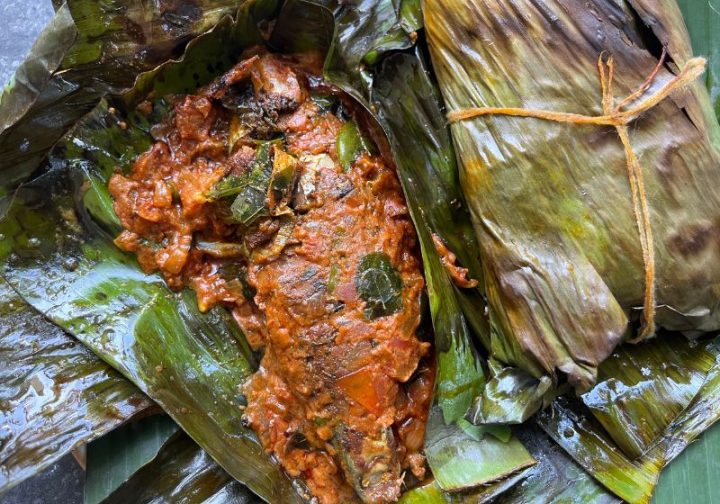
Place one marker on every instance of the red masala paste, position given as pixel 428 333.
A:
pixel 245 199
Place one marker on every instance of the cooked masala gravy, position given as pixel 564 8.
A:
pixel 261 194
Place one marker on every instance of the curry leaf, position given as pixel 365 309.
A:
pixel 229 186
pixel 379 284
pixel 251 201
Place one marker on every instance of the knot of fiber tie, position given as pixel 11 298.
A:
pixel 619 115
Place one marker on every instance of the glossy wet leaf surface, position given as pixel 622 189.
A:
pixel 54 393
pixel 181 472
pixel 574 428
pixel 511 396
pixel 115 457
pixel 641 389
pixel 462 462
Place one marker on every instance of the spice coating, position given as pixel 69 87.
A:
pixel 262 194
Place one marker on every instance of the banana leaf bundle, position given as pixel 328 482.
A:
pixel 565 266
pixel 91 106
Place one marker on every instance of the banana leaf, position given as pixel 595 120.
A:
pixel 642 389
pixel 626 450
pixel 511 396
pixel 550 202
pixel 431 493
pixel 692 476
pixel 59 254
pixel 55 394
pixel 583 439
pixel 703 22
pixel 33 75
pixel 181 472
pixel 556 478
pixel 91 48
pixel 112 459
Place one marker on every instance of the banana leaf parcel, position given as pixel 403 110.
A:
pixel 569 214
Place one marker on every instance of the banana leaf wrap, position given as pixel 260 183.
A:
pixel 55 394
pixel 551 203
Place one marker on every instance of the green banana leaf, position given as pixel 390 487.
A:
pixel 61 224
pixel 55 395
pixel 627 449
pixel 511 396
pixel 33 75
pixel 112 459
pixel 703 23
pixel 431 493
pixel 692 476
pixel 181 472
pixel 550 202
pixel 192 364
pixel 584 440
pixel 642 389
pixel 556 478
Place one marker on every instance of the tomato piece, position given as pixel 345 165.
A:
pixel 369 387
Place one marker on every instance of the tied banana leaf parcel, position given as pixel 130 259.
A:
pixel 567 260
pixel 224 172
pixel 561 227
